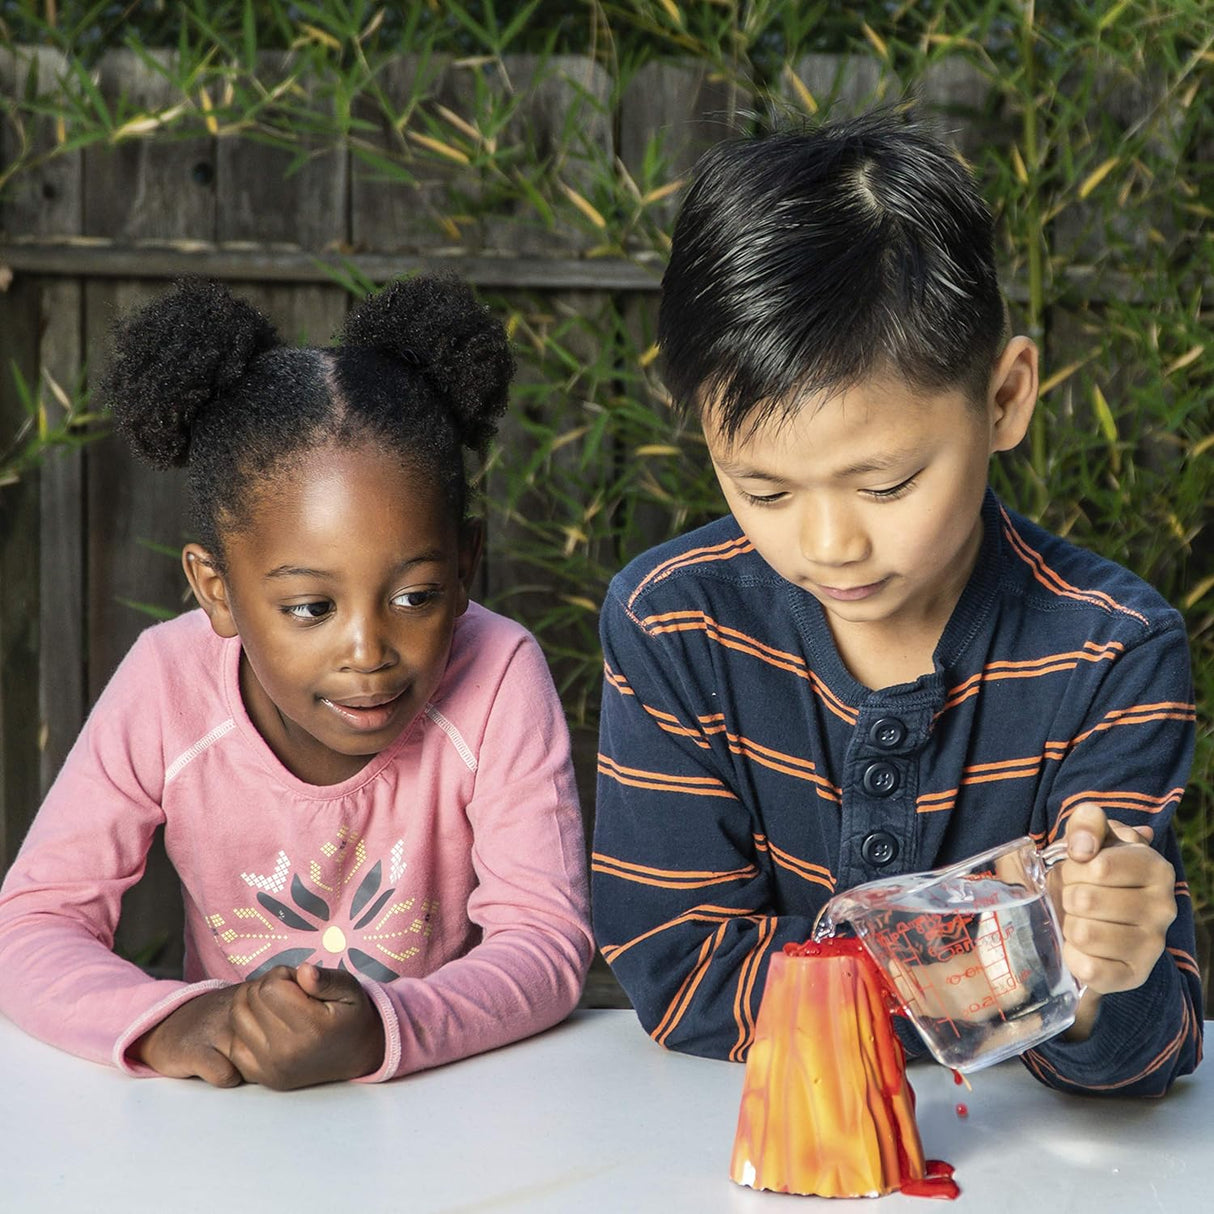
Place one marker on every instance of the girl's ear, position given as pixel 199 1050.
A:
pixel 471 545
pixel 209 588
pixel 1013 393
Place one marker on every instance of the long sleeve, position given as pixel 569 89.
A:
pixel 60 902
pixel 683 909
pixel 1133 758
pixel 530 901
pixel 448 874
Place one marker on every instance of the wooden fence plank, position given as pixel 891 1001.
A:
pixel 147 188
pixel 63 700
pixel 402 192
pixel 562 127
pixel 48 200
pixel 263 196
pixel 20 790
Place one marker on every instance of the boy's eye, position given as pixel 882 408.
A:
pixel 317 609
pixel 414 598
pixel 895 491
pixel 762 499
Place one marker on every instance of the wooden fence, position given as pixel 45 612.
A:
pixel 95 231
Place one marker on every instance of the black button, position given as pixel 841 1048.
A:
pixel 879 848
pixel 880 779
pixel 887 733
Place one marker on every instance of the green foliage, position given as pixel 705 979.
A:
pixel 1087 123
pixel 52 418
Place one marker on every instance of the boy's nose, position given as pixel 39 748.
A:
pixel 830 535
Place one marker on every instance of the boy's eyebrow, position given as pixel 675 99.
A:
pixel 862 467
pixel 878 463
pixel 432 557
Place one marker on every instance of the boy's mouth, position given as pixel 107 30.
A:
pixel 366 713
pixel 851 594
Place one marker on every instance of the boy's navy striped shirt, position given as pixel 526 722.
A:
pixel 745 775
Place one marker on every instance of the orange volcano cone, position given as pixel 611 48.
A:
pixel 826 1106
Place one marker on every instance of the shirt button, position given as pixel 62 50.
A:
pixel 879 848
pixel 887 733
pixel 880 779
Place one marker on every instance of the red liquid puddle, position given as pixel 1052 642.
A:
pixel 938 1182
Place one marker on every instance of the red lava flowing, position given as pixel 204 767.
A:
pixel 826 1106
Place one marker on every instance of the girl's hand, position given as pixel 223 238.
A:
pixel 193 1041
pixel 1118 901
pixel 295 1028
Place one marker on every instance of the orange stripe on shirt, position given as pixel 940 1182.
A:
pixel 706 913
pixel 1054 581
pixel 682 1000
pixel 700 786
pixel 789 765
pixel 742 1014
pixel 693 556
pixel 667 878
pixel 1140 802
pixel 1140 715
pixel 801 868
pixel 731 638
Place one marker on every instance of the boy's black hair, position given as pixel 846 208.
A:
pixel 807 261
pixel 199 379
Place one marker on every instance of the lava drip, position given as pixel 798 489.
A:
pixel 826 1106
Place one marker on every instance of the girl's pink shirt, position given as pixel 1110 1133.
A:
pixel 448 875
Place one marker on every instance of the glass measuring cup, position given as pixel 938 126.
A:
pixel 974 951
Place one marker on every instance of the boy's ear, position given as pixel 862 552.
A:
pixel 471 547
pixel 209 588
pixel 1013 393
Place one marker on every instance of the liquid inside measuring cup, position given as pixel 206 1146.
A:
pixel 975 963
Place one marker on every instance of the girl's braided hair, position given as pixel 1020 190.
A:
pixel 200 379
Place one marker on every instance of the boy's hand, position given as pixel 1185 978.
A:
pixel 193 1041
pixel 295 1028
pixel 1118 900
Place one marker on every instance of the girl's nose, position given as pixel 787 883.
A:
pixel 367 645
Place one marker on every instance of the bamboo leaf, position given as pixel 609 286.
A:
pixel 585 206
pixel 808 102
pixel 1019 167
pixel 877 41
pixel 1097 175
pixel 1190 356
pixel 1110 15
pixel 1198 592
pixel 443 149
pixel 1060 377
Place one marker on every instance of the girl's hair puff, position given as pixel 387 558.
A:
pixel 200 379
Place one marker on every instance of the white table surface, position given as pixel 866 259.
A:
pixel 589 1117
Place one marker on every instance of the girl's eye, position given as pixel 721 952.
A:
pixel 896 491
pixel 415 598
pixel 317 609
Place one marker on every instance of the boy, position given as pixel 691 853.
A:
pixel 872 666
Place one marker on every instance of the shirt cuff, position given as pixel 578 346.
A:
pixel 392 1044
pixel 150 1019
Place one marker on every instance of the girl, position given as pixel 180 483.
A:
pixel 363 778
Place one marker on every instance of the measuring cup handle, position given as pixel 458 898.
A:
pixel 1053 853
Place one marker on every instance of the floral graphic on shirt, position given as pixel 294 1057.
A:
pixel 342 912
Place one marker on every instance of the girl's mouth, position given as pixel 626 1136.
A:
pixel 365 718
